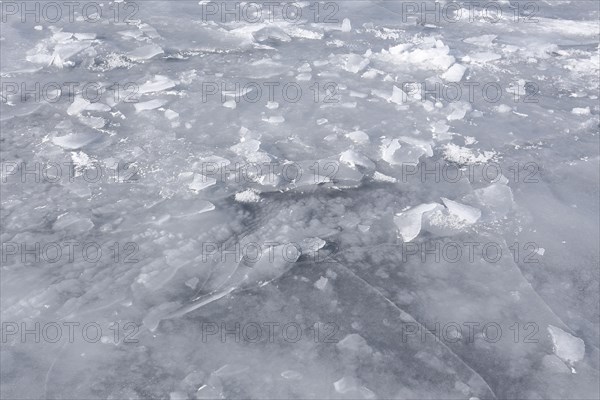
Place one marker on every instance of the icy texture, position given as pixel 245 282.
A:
pixel 362 201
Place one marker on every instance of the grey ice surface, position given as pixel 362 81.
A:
pixel 421 222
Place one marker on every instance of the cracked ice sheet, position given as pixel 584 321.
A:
pixel 378 302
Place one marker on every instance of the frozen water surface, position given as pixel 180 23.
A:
pixel 401 239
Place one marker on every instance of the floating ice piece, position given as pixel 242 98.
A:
pixel 145 52
pixel 355 63
pixel 192 283
pixel 358 137
pixel 73 223
pixel 483 40
pixel 378 176
pixel 349 386
pixel 464 212
pixel 567 347
pixel 496 198
pixel 451 220
pixel 431 55
pixel 78 105
pixel 157 84
pixel 292 375
pixel 247 196
pixel 321 283
pixel 275 119
pixel 409 222
pixel 352 158
pixel 271 33
pixel 74 141
pixel 454 73
pixel 466 156
pixel 354 343
pixel 149 105
pixel 482 57
pixel 230 104
pixel 346 25
pixel 581 111
pixel 398 96
pixel 67 50
pixel 272 105
pixel 404 150
pixel 201 182
pixel 459 110
pixel 171 115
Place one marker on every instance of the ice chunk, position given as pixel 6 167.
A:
pixel 346 25
pixel 271 33
pixel 77 106
pixel 272 105
pixel 354 343
pixel 454 73
pixel 409 222
pixel 358 137
pixel 292 375
pixel 149 105
pixel 496 198
pixel 73 223
pixel 378 176
pixel 157 84
pixel 74 141
pixel 353 158
pixel 145 52
pixel 201 182
pixel 171 115
pixel 398 96
pixel 409 151
pixel 567 347
pixel 247 196
pixel 581 111
pixel 355 63
pixel 462 211
pixel 321 283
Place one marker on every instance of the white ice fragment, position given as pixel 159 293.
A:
pixel 278 119
pixel 304 77
pixel 398 96
pixel 358 137
pixel 581 111
pixel 78 105
pixel 355 63
pixel 230 104
pixel 157 84
pixel 38 27
pixel 404 150
pixel 192 283
pixel 171 115
pixel 462 211
pixel 73 223
pixel 459 110
pixel 292 375
pixel 502 108
pixel 149 105
pixel 272 105
pixel 354 343
pixel 567 347
pixel 145 52
pixel 409 222
pixel 247 196
pixel 496 198
pixel 378 176
pixel 321 283
pixel 346 25
pixel 454 73
pixel 74 141
pixel 200 182
pixel 353 158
